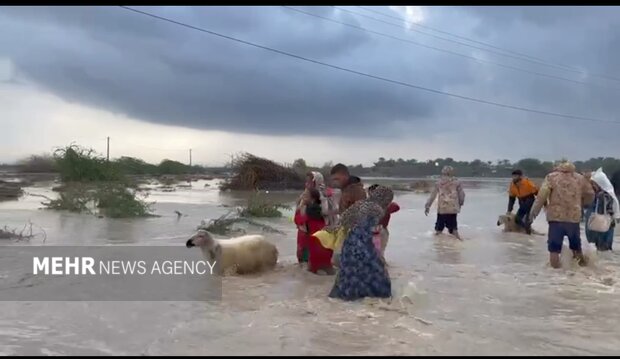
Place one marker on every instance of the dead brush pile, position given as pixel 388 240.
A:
pixel 251 173
pixel 24 235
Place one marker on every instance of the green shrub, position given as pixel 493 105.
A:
pixel 73 198
pixel 135 166
pixel 77 164
pixel 111 199
pixel 116 201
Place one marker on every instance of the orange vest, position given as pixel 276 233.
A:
pixel 524 188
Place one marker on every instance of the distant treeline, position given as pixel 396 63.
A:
pixel 382 168
pixel 503 168
pixel 530 166
pixel 124 165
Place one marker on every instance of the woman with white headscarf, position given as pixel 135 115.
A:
pixel 329 202
pixel 604 210
pixel 308 217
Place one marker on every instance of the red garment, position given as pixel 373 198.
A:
pixel 320 257
pixel 392 208
pixel 302 238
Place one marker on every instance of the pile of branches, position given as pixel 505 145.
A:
pixel 251 173
pixel 25 234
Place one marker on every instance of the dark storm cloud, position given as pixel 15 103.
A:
pixel 159 72
pixel 583 38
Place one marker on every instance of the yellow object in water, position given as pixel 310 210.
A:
pixel 331 240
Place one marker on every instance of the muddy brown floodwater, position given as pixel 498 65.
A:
pixel 494 293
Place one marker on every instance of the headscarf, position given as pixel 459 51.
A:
pixel 381 195
pixel 372 207
pixel 601 179
pixel 327 203
pixel 318 181
pixel 447 171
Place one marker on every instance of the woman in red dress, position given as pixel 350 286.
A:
pixel 319 259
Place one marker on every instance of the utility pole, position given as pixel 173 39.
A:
pixel 231 159
pixel 190 157
pixel 108 157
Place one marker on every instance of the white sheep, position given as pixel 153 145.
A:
pixel 510 225
pixel 242 255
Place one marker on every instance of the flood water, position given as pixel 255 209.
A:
pixel 493 293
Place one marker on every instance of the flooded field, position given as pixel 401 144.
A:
pixel 494 293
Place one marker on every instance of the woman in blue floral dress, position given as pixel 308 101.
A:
pixel 362 273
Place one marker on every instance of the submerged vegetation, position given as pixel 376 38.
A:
pixel 10 190
pixel 227 225
pixel 91 184
pixel 112 199
pixel 26 233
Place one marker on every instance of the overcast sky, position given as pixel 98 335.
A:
pixel 157 89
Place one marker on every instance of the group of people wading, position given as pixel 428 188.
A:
pixel 566 195
pixel 345 226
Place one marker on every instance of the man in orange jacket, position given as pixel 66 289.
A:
pixel 522 188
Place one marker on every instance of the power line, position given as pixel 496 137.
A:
pixel 401 83
pixel 569 68
pixel 544 63
pixel 473 58
pixel 455 35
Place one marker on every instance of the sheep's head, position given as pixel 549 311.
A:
pixel 503 219
pixel 201 239
pixel 209 246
